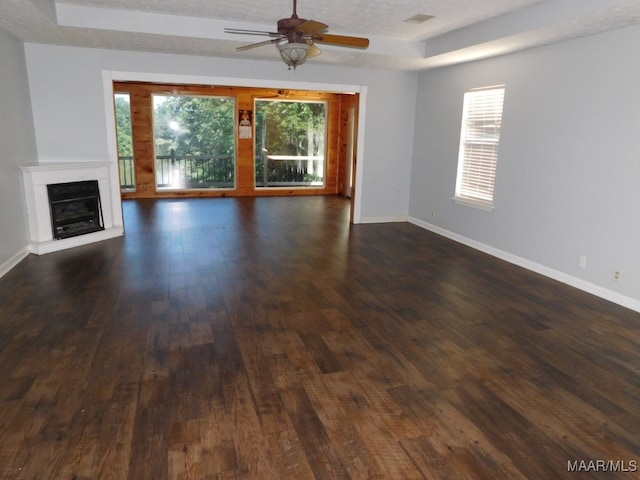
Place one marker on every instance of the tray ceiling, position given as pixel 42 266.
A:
pixel 461 30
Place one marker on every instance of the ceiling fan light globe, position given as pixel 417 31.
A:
pixel 293 53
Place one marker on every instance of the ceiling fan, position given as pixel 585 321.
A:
pixel 296 39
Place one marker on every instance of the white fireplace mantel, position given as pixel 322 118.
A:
pixel 36 178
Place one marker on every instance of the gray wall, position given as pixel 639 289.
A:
pixel 569 159
pixel 568 166
pixel 17 147
pixel 70 125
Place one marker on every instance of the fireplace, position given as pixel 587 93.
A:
pixel 99 217
pixel 75 208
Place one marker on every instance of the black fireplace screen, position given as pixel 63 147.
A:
pixel 75 208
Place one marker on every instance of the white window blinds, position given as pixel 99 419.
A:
pixel 479 139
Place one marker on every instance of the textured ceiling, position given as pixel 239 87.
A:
pixel 462 30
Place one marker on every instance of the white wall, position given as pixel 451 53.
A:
pixel 70 118
pixel 568 166
pixel 17 147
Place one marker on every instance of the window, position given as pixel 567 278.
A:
pixel 212 141
pixel 125 143
pixel 479 139
pixel 290 143
pixel 194 142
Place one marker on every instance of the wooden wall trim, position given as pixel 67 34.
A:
pixel 143 142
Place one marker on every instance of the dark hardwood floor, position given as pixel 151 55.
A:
pixel 264 338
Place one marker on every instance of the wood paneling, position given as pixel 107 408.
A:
pixel 142 116
pixel 347 102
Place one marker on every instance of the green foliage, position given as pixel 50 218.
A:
pixel 195 140
pixel 123 125
pixel 290 128
pixel 195 126
pixel 124 137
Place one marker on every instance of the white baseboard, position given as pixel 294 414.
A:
pixel 40 248
pixel 13 261
pixel 597 290
pixel 403 218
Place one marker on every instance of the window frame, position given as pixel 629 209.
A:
pixel 141 105
pixel 479 146
pixel 126 166
pixel 325 162
pixel 154 128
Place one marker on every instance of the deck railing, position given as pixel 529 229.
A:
pixel 289 171
pixel 195 171
pixel 127 173
pixel 208 171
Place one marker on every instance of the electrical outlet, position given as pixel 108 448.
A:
pixel 433 214
pixel 582 261
pixel 617 274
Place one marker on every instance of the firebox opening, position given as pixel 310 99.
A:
pixel 75 208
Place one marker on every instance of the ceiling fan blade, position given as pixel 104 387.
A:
pixel 259 44
pixel 311 26
pixel 314 51
pixel 341 40
pixel 241 31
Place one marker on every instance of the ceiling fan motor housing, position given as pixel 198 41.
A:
pixel 296 38
pixel 287 26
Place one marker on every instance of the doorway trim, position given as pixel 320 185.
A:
pixel 110 76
